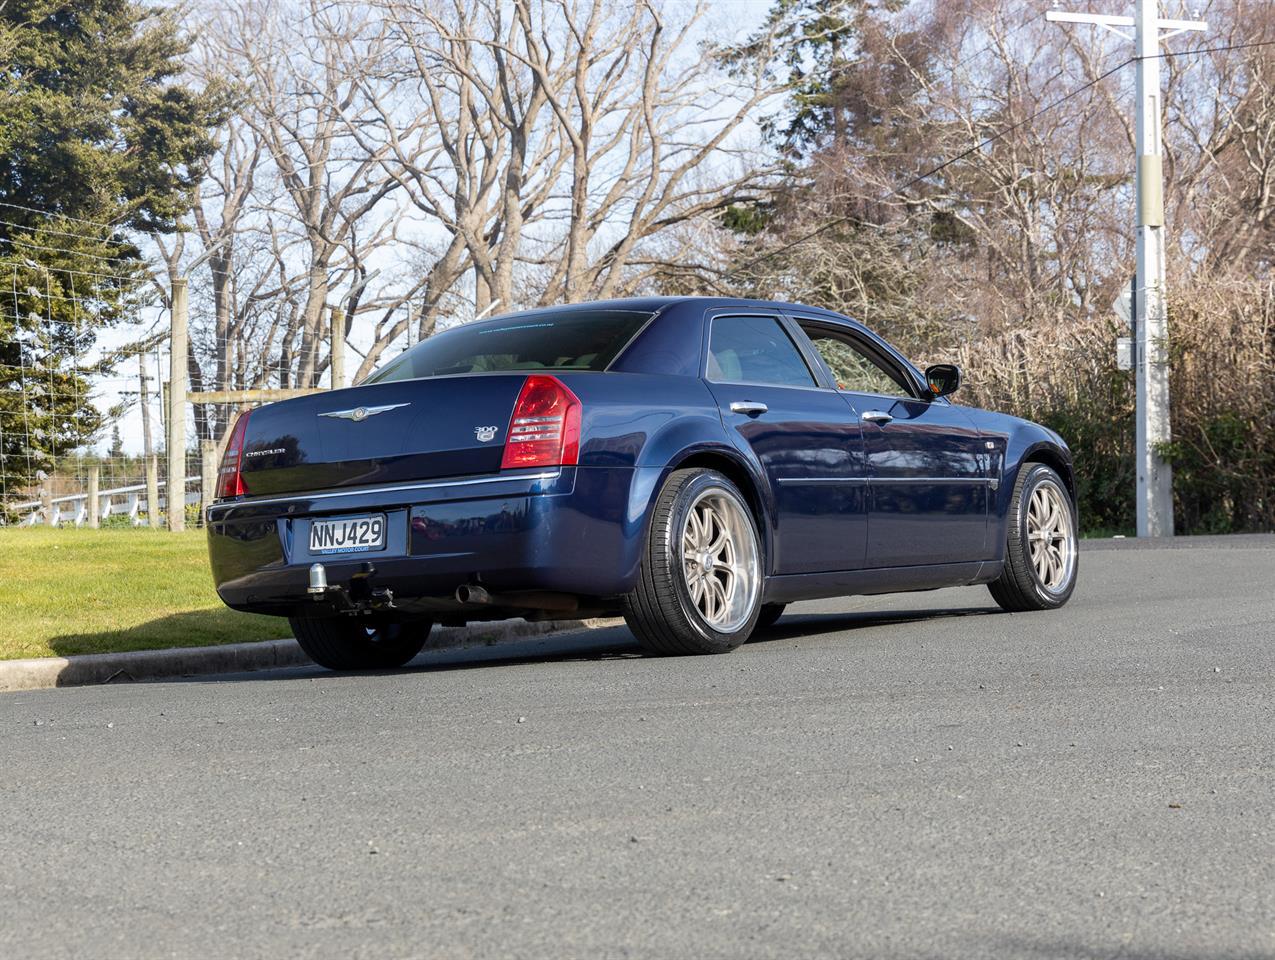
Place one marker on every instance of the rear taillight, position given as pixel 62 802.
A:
pixel 230 476
pixel 545 428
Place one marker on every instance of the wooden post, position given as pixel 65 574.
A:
pixel 207 476
pixel 177 347
pixel 152 492
pixel 336 362
pixel 143 394
pixel 46 503
pixel 95 507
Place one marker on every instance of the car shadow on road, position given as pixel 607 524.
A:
pixel 812 624
pixel 608 643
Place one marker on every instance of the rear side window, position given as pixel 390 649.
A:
pixel 570 340
pixel 755 350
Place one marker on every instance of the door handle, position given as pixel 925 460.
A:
pixel 877 416
pixel 749 407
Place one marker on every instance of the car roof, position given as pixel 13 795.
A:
pixel 657 304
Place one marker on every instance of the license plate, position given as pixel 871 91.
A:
pixel 348 535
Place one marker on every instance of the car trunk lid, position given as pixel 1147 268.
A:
pixel 407 430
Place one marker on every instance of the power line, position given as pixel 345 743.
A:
pixel 66 233
pixel 63 216
pixel 81 273
pixel 147 267
pixel 1221 49
pixel 24 244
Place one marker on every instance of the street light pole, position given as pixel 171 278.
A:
pixel 1151 338
pixel 1155 474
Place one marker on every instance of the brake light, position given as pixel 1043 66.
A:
pixel 230 476
pixel 545 428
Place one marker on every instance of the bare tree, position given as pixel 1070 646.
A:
pixel 650 120
pixel 553 140
pixel 304 77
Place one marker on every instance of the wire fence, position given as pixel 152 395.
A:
pixel 64 397
pixel 87 405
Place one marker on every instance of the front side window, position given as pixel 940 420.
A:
pixel 755 350
pixel 567 340
pixel 854 368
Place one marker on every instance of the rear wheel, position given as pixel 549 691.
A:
pixel 1041 550
pixel 357 643
pixel 699 590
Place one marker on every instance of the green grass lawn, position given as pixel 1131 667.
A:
pixel 68 591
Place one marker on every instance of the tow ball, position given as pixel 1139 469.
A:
pixel 318 580
pixel 361 597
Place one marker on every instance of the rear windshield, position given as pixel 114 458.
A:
pixel 571 340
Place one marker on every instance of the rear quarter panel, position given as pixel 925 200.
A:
pixel 635 430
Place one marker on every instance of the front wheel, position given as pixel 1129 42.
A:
pixel 699 590
pixel 1041 550
pixel 357 643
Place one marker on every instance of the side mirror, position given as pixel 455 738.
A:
pixel 943 379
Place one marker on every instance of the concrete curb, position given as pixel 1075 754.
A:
pixel 46 672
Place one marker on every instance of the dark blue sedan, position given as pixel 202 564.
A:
pixel 692 463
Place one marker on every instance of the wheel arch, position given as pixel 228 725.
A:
pixel 1056 459
pixel 1035 447
pixel 726 461
pixel 736 472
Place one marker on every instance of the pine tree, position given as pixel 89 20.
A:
pixel 824 235
pixel 100 140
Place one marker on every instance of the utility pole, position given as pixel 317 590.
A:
pixel 177 407
pixel 1151 354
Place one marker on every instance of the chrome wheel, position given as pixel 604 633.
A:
pixel 720 560
pixel 1051 536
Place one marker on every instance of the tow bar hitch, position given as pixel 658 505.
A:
pixel 362 597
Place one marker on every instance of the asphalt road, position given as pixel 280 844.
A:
pixel 913 776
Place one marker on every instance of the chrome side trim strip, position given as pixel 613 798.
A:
pixel 883 480
pixel 432 485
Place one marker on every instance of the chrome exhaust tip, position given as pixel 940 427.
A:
pixel 471 593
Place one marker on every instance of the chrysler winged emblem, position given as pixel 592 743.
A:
pixel 359 414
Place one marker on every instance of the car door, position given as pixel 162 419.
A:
pixel 800 431
pixel 928 466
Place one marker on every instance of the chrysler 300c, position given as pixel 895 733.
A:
pixel 692 463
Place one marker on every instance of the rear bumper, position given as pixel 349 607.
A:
pixel 577 530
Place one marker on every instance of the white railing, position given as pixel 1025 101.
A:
pixel 74 508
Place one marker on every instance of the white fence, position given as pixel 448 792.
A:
pixel 74 508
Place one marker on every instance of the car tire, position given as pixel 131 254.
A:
pixel 690 599
pixel 770 614
pixel 1042 558
pixel 357 643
